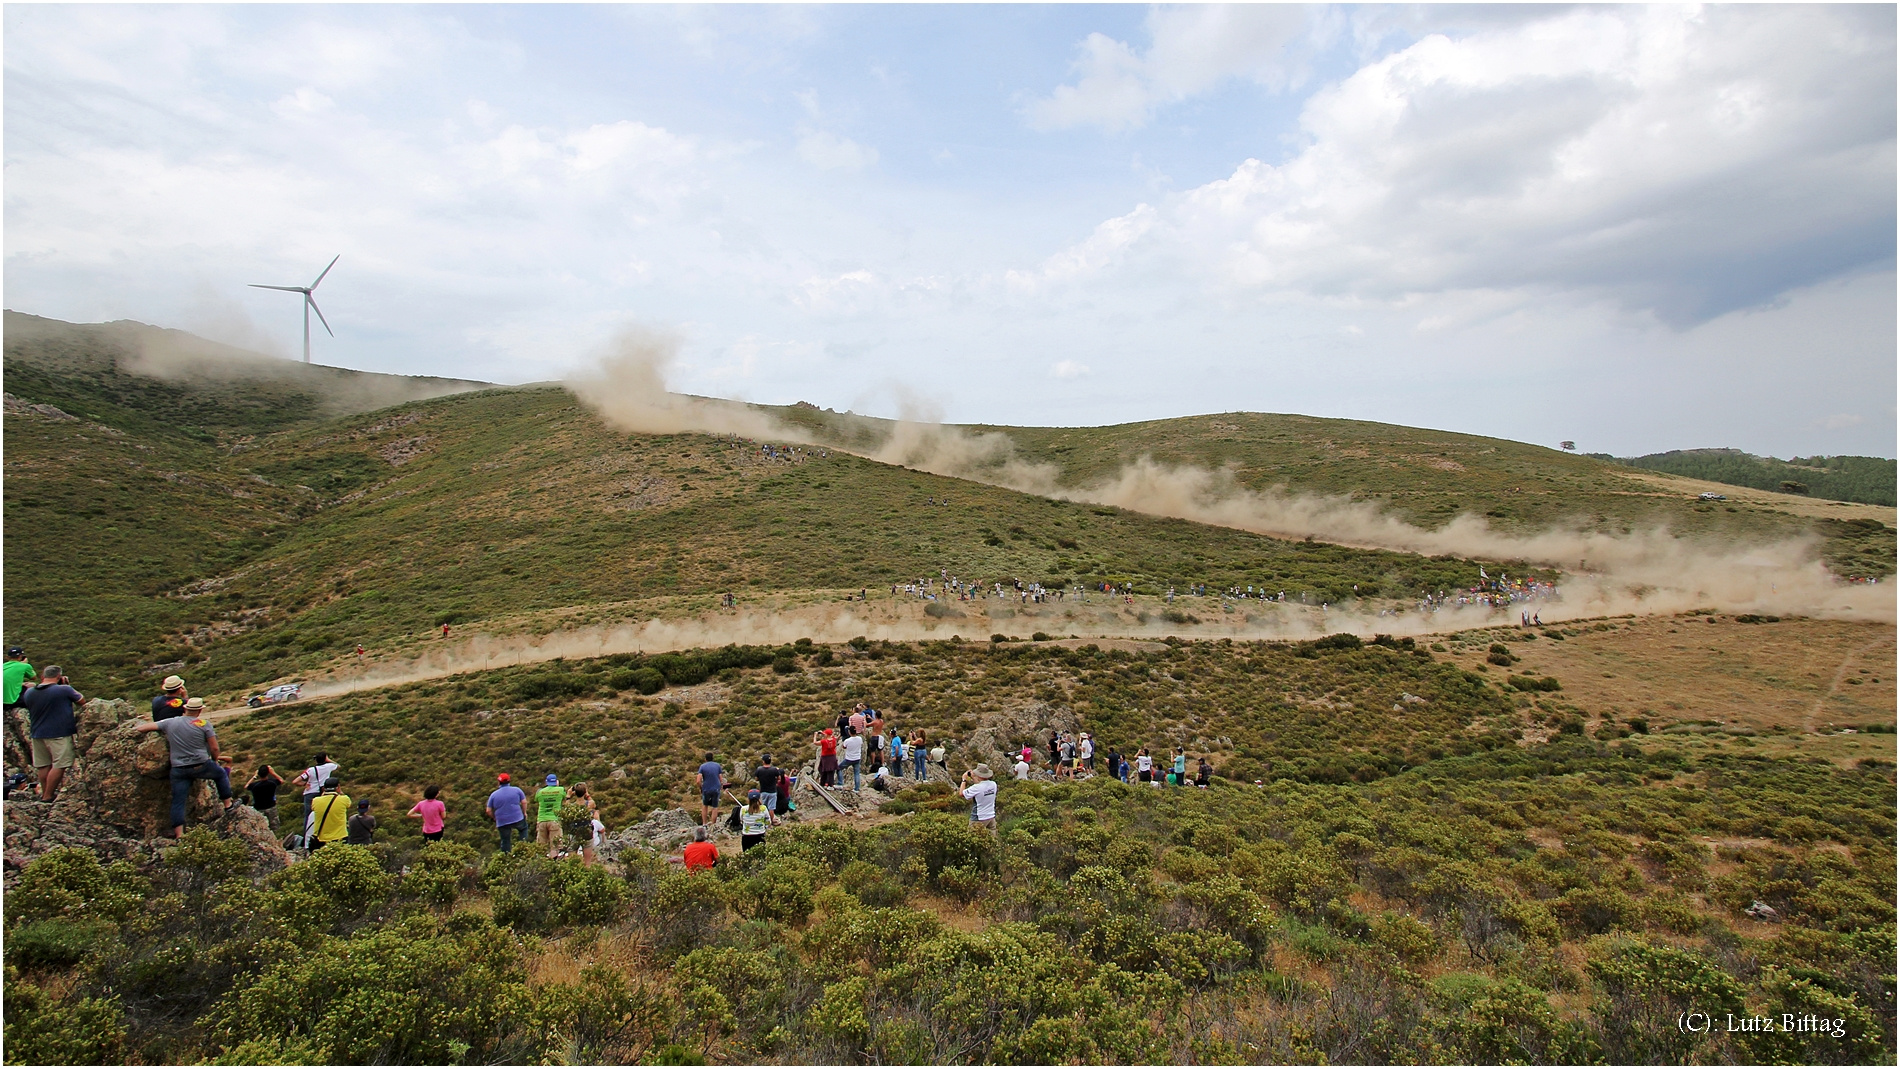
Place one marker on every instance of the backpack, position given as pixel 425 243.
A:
pixel 732 822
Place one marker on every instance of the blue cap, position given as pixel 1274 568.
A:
pixel 552 779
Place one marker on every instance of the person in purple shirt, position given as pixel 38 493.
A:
pixel 505 809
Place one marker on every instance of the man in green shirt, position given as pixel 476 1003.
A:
pixel 16 672
pixel 547 814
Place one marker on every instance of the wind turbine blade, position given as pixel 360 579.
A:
pixel 326 271
pixel 286 289
pixel 319 311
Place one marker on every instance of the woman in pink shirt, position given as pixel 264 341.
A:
pixel 433 813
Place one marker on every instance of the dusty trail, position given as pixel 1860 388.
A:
pixel 1069 623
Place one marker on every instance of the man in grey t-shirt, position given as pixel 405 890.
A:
pixel 194 752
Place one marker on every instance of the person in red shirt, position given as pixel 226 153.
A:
pixel 700 854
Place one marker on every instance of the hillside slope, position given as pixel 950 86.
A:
pixel 1841 478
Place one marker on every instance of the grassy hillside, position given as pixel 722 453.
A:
pixel 1841 478
pixel 277 552
pixel 1433 883
pixel 251 526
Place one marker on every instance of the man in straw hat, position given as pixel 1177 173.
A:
pixel 194 756
pixel 979 786
pixel 172 702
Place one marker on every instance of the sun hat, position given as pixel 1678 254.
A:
pixel 173 683
pixel 195 704
pixel 982 772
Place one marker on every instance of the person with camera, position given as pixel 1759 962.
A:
pixel 172 701
pixel 52 724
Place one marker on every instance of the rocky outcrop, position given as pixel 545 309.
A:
pixel 116 801
pixel 664 830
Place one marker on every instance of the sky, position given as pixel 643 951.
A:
pixel 1634 228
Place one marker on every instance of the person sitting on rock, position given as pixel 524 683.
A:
pixel 172 702
pixel 700 854
pixel 194 755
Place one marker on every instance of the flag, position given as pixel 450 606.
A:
pixel 1481 574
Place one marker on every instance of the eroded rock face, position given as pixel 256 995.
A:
pixel 664 830
pixel 116 801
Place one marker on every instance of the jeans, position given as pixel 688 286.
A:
pixel 184 776
pixel 922 773
pixel 769 801
pixel 519 829
pixel 857 782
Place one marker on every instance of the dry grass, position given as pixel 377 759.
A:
pixel 1769 687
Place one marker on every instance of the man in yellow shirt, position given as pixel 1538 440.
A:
pixel 329 817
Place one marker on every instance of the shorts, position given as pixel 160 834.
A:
pixel 709 800
pixel 431 836
pixel 548 833
pixel 1145 776
pixel 747 842
pixel 57 753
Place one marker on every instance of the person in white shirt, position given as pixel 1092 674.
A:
pixel 1022 769
pixel 1087 749
pixel 851 756
pixel 979 787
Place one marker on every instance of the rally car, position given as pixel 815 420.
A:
pixel 283 692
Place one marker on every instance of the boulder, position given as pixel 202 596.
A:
pixel 116 801
pixel 664 830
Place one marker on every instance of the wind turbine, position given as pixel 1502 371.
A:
pixel 309 303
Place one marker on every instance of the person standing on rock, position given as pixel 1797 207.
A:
pixel 827 743
pixel 171 702
pixel 852 750
pixel 768 776
pixel 940 757
pixel 504 807
pixel 51 725
pixel 16 673
pixel 711 781
pixel 263 788
pixel 194 756
pixel 919 753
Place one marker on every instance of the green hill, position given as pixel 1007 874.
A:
pixel 1841 478
pixel 247 556
pixel 248 519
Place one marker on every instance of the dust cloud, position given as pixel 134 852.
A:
pixel 1648 571
pixel 626 386
pixel 181 357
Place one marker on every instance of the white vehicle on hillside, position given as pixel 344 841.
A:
pixel 283 692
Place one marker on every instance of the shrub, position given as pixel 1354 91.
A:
pixel 1644 989
pixel 1530 683
pixel 69 883
pixel 420 991
pixel 53 943
pixel 1341 641
pixel 42 1030
pixel 345 879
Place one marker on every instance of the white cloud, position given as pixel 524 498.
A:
pixel 830 152
pixel 1840 421
pixel 1192 49
pixel 1683 161
pixel 1068 369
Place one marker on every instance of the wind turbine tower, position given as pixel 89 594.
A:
pixel 309 303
